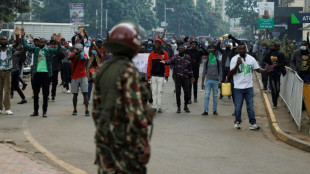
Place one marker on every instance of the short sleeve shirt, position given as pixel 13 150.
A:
pixel 243 78
pixel 80 69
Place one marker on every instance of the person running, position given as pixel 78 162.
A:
pixel 183 76
pixel 211 72
pixel 277 61
pixel 79 77
pixel 242 66
pixel 42 70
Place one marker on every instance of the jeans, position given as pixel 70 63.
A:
pixel 214 85
pixel 182 83
pixel 90 87
pixel 274 81
pixel 40 79
pixel 195 86
pixel 54 80
pixel 15 84
pixel 247 95
pixel 157 91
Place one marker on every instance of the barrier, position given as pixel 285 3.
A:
pixel 291 91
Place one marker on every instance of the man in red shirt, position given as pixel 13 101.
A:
pixel 79 77
pixel 157 73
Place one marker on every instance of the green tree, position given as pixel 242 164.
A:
pixel 245 10
pixel 10 8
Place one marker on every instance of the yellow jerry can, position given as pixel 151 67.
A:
pixel 226 89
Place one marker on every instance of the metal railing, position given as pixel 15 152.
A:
pixel 291 91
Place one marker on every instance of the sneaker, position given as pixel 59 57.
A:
pixel 68 91
pixel 44 115
pixel 22 102
pixel 179 110
pixel 237 126
pixel 53 99
pixel 34 114
pixel 189 102
pixel 74 113
pixel 64 90
pixel 215 113
pixel 87 114
pixel 204 113
pixel 8 112
pixel 186 110
pixel 254 127
pixel 160 110
pixel 195 100
pixel 274 107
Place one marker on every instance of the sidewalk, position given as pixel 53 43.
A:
pixel 13 162
pixel 283 124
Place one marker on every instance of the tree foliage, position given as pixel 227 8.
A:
pixel 246 10
pixel 10 8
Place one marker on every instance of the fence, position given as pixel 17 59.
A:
pixel 291 91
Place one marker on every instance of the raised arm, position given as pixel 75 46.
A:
pixel 25 45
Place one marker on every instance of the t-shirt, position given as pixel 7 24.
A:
pixel 243 78
pixel 304 63
pixel 274 60
pixel 3 55
pixel 42 65
pixel 80 70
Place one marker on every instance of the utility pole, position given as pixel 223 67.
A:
pixel 30 17
pixel 106 20
pixel 165 14
pixel 101 18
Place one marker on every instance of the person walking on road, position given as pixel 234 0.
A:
pixel 183 76
pixel 300 62
pixel 5 72
pixel 277 61
pixel 42 70
pixel 157 73
pixel 242 67
pixel 211 72
pixel 120 109
pixel 79 77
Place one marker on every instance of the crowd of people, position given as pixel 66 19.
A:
pixel 119 89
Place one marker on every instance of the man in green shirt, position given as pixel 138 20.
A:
pixel 42 70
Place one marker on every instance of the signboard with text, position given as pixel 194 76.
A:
pixel 300 18
pixel 76 13
pixel 265 15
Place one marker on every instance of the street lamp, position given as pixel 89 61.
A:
pixel 172 9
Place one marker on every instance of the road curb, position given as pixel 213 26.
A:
pixel 288 139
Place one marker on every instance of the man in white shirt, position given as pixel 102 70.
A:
pixel 241 67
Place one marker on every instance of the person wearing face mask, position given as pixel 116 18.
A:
pixel 42 70
pixel 277 61
pixel 300 62
pixel 211 72
pixel 225 61
pixel 183 75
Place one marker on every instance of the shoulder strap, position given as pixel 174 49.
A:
pixel 75 65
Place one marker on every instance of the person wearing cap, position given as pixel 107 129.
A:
pixel 120 110
pixel 196 54
pixel 210 80
pixel 157 73
pixel 183 75
pixel 42 70
pixel 79 77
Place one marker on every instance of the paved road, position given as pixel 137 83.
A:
pixel 182 143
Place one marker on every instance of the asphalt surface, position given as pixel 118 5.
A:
pixel 182 143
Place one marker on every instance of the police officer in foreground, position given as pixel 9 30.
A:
pixel 120 110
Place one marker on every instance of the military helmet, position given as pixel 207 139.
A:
pixel 124 39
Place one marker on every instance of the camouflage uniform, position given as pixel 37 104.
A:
pixel 121 117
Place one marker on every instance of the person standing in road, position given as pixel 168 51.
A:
pixel 183 76
pixel 211 72
pixel 157 73
pixel 42 70
pixel 300 62
pixel 120 109
pixel 66 68
pixel 195 53
pixel 225 61
pixel 277 61
pixel 242 66
pixel 79 77
pixel 5 72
